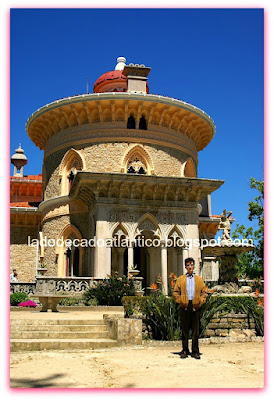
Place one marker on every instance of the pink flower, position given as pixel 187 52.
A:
pixel 28 303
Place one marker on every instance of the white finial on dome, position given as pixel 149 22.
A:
pixel 121 62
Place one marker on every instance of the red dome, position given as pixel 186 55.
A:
pixel 112 81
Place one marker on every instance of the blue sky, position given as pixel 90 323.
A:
pixel 212 58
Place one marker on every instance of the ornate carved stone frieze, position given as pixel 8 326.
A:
pixel 89 186
pixel 135 222
pixel 97 108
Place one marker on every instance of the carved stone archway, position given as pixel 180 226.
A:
pixel 135 159
pixel 69 260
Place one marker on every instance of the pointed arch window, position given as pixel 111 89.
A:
pixel 69 257
pixel 137 161
pixel 131 122
pixel 136 164
pixel 143 123
pixel 71 163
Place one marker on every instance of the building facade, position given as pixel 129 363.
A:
pixel 120 166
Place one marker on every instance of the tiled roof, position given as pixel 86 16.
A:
pixel 20 204
pixel 29 177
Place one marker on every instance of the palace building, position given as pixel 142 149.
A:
pixel 118 163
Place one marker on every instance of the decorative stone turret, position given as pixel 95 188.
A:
pixel 19 160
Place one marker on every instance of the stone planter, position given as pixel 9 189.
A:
pixel 133 272
pixel 139 293
pixel 41 271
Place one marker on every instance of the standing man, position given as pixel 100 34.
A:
pixel 190 292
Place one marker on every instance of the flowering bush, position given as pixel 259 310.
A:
pixel 28 303
pixel 173 279
pixel 153 286
pixel 16 298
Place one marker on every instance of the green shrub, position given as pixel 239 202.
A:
pixel 92 302
pixel 71 301
pixel 16 298
pixel 162 315
pixel 109 291
pixel 133 305
pixel 238 304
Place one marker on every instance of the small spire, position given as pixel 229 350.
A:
pixel 121 62
pixel 19 160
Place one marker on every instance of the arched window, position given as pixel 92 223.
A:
pixel 71 163
pixel 143 123
pixel 131 122
pixel 136 164
pixel 137 161
pixel 72 261
pixel 69 258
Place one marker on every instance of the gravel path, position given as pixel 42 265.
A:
pixel 227 365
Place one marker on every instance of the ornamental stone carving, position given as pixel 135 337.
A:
pixel 147 225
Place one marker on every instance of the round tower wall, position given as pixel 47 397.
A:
pixel 112 158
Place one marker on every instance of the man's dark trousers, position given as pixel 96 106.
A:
pixel 190 319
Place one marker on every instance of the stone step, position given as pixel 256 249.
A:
pixel 42 322
pixel 60 344
pixel 58 328
pixel 59 335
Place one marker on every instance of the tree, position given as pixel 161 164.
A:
pixel 252 264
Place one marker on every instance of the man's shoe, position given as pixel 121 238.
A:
pixel 197 356
pixel 184 354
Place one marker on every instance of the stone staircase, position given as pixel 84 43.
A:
pixel 66 334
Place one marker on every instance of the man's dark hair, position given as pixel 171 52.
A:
pixel 14 270
pixel 189 259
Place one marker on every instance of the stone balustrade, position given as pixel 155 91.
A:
pixel 54 285
pixel 23 287
pixel 57 285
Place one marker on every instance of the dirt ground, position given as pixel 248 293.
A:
pixel 228 365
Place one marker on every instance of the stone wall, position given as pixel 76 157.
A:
pixel 22 256
pixel 124 330
pixel 232 324
pixel 52 229
pixel 108 157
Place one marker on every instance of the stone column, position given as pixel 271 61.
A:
pixel 180 267
pixel 130 255
pixel 90 249
pixel 151 255
pixel 192 235
pixel 102 258
pixel 121 251
pixel 215 270
pixel 164 268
